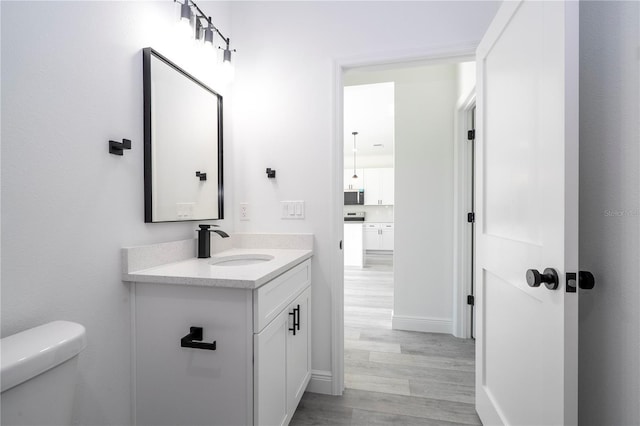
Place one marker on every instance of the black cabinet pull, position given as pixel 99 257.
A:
pixel 196 333
pixel 296 320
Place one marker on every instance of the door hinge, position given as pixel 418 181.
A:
pixel 471 217
pixel 471 135
pixel 471 300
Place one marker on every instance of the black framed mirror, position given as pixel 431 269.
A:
pixel 182 144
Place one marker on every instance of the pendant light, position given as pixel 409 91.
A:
pixel 355 176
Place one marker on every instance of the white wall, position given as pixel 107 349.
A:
pixel 72 80
pixel 284 104
pixel 609 357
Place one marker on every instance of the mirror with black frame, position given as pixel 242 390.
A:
pixel 182 144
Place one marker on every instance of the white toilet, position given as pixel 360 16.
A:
pixel 38 374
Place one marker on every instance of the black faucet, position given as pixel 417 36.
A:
pixel 204 240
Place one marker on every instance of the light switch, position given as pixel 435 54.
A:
pixel 292 209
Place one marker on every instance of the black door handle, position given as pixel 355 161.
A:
pixel 586 280
pixel 196 333
pixel 549 277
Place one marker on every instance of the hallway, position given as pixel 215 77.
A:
pixel 393 377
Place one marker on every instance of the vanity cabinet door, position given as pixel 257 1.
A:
pixel 178 385
pixel 299 349
pixel 270 373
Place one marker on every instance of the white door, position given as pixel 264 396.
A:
pixel 527 187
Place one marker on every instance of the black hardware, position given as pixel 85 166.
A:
pixel 204 239
pixel 204 242
pixel 571 282
pixel 340 244
pixel 196 333
pixel 296 322
pixel 471 135
pixel 471 300
pixel 471 217
pixel 118 148
pixel 586 280
pixel 549 277
pixel 271 173
pixel 202 176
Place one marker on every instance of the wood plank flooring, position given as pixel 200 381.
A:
pixel 393 377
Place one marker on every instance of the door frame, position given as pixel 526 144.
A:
pixel 462 230
pixel 435 55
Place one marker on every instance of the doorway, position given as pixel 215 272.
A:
pixel 429 156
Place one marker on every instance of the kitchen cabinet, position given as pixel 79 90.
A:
pixel 378 236
pixel 258 370
pixel 353 244
pixel 378 187
pixel 350 182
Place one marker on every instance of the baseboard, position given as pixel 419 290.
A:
pixel 423 324
pixel 320 382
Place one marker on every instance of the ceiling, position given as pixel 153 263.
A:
pixel 369 110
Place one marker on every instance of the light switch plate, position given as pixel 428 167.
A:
pixel 292 209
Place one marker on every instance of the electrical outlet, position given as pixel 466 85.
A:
pixel 244 211
pixel 184 211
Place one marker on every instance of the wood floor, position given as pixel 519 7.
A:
pixel 393 377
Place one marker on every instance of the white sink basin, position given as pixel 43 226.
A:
pixel 241 259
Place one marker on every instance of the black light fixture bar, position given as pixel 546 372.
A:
pixel 208 36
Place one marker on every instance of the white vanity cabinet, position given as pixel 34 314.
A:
pixel 282 367
pixel 258 370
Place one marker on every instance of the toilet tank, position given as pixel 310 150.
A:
pixel 38 374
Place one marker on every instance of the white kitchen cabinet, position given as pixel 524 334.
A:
pixel 353 244
pixel 378 236
pixel 350 182
pixel 378 187
pixel 371 236
pixel 386 236
pixel 258 371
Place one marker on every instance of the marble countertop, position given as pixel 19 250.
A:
pixel 200 272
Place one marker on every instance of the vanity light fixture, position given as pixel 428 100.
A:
pixel 204 27
pixel 355 176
